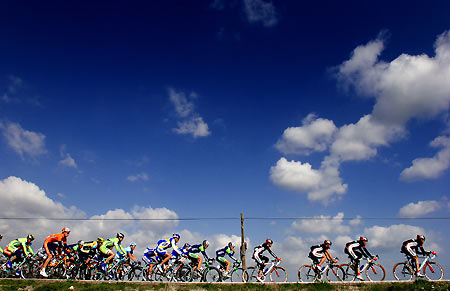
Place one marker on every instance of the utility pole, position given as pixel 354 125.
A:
pixel 243 244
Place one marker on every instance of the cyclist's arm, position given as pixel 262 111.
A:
pixel 205 255
pixel 120 249
pixel 230 254
pixel 328 255
pixel 366 252
pixel 272 253
pixel 175 248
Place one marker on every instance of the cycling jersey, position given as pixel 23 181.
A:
pixel 412 247
pixel 220 254
pixel 176 255
pixel 128 250
pixel 356 250
pixel 258 254
pixel 89 246
pixel 54 241
pixel 164 244
pixel 110 243
pixel 317 252
pixel 195 249
pixel 19 245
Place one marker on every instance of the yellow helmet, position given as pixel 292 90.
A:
pixel 100 240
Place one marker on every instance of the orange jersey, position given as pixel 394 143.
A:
pixel 58 237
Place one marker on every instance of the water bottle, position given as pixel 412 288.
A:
pixel 361 267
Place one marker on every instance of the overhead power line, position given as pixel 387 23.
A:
pixel 223 218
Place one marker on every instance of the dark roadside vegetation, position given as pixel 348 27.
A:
pixel 41 285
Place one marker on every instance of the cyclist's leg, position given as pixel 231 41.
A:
pixel 50 248
pixel 196 259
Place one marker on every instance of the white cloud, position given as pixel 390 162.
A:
pixel 183 107
pixel 430 168
pixel 138 177
pixel 259 11
pixel 314 135
pixel 409 87
pixel 322 224
pixel 356 221
pixel 68 162
pixel 295 175
pixel 194 126
pixel 190 121
pixel 23 142
pixel 419 209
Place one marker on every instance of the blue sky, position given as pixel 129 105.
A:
pixel 170 109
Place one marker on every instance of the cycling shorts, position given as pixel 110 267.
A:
pixel 261 260
pixel 193 256
pixel 51 247
pixel 222 260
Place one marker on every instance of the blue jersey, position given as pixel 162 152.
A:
pixel 225 251
pixel 164 244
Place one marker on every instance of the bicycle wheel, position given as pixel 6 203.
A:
pixel 28 270
pixel 433 271
pixel 184 274
pixel 349 274
pixel 278 274
pixel 375 272
pixel 212 275
pixel 250 275
pixel 402 272
pixel 237 275
pixel 306 273
pixel 135 274
pixel 335 274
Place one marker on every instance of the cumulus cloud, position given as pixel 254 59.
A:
pixel 194 126
pixel 138 177
pixel 409 87
pixel 23 142
pixel 190 121
pixel 314 135
pixel 430 168
pixel 68 162
pixel 419 209
pixel 320 184
pixel 322 224
pixel 260 11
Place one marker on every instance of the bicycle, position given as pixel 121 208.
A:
pixel 433 271
pixel 176 270
pixel 310 273
pixel 234 275
pixel 276 273
pixel 373 271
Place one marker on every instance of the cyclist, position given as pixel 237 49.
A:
pixel 53 243
pixel 16 248
pixel 164 244
pixel 356 250
pixel 261 260
pixel 220 256
pixel 193 254
pixel 75 248
pixel 105 249
pixel 319 253
pixel 128 253
pixel 151 258
pixel 90 249
pixel 411 248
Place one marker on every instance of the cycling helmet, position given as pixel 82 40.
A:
pixel 132 244
pixel 1 236
pixel 205 243
pixel 421 237
pixel 119 234
pixel 100 240
pixel 65 229
pixel 176 235
pixel 80 242
pixel 269 241
pixel 30 236
pixel 231 244
pixel 187 245
pixel 363 238
pixel 327 242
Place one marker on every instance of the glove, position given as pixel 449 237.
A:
pixel 279 259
